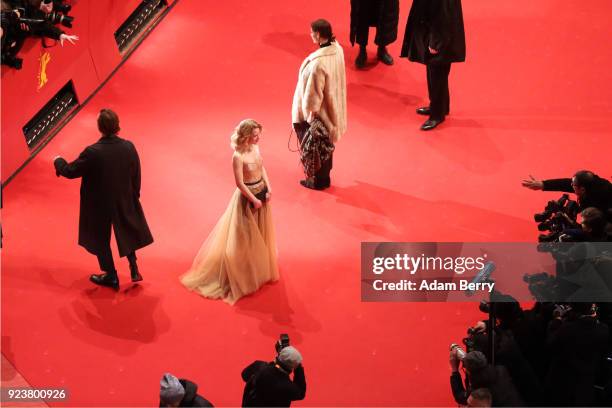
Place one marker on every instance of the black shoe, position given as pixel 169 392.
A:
pixel 431 124
pixel 136 276
pixel 424 111
pixel 362 58
pixel 384 56
pixel 310 184
pixel 105 279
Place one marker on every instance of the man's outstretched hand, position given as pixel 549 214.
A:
pixel 57 160
pixel 533 183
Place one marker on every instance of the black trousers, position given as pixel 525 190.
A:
pixel 437 85
pixel 107 264
pixel 321 178
pixel 370 8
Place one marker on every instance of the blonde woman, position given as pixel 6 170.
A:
pixel 239 255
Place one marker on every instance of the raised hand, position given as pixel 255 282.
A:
pixel 533 183
pixel 70 38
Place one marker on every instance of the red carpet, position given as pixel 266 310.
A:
pixel 534 97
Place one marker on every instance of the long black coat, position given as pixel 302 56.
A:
pixel 110 195
pixel 437 24
pixel 383 14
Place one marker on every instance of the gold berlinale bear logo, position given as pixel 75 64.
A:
pixel 42 72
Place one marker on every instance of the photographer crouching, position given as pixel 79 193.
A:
pixel 268 384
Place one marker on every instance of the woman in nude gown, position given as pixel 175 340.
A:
pixel 239 255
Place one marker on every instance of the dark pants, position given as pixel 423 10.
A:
pixel 371 11
pixel 321 178
pixel 437 85
pixel 105 259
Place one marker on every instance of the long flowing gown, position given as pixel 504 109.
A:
pixel 239 255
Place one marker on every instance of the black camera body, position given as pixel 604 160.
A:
pixel 57 17
pixel 558 216
pixel 282 342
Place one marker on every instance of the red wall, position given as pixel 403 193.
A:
pixel 87 64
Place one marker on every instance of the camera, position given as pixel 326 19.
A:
pixel 558 216
pixel 59 18
pixel 282 342
pixel 552 207
pixel 542 286
pixel 59 15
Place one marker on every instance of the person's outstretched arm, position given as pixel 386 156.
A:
pixel 564 185
pixel 77 168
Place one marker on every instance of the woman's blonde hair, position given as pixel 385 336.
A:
pixel 243 131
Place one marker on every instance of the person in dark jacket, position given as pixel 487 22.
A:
pixel 577 343
pixel 382 14
pixel 480 374
pixel 176 392
pixel 268 383
pixel 110 198
pixel 591 190
pixel 435 37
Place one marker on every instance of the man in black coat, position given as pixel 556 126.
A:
pixel 382 14
pixel 591 190
pixel 268 383
pixel 110 197
pixel 435 37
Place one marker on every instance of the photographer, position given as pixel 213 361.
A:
pixel 44 17
pixel 480 374
pixel 14 33
pixel 519 344
pixel 175 392
pixel 268 384
pixel 595 225
pixel 577 342
pixel 592 190
pixel 22 18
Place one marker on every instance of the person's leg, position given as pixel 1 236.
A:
pixel 381 38
pixel 437 85
pixel 107 265
pixel 322 178
pixel 447 91
pixel 437 80
pixel 425 110
pixel 106 262
pixel 363 32
pixel 134 272
pixel 300 130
